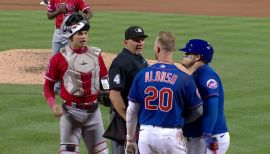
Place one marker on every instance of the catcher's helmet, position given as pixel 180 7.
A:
pixel 201 47
pixel 74 23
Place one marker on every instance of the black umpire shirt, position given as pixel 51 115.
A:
pixel 123 70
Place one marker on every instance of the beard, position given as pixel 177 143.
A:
pixel 187 66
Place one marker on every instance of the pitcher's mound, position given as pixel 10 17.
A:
pixel 27 66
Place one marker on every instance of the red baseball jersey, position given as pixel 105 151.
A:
pixel 57 68
pixel 71 6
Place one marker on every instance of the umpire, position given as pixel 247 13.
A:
pixel 121 74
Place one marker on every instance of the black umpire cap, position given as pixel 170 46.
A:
pixel 134 32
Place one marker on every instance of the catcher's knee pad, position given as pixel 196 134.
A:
pixel 69 149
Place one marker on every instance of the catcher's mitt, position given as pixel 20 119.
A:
pixel 103 98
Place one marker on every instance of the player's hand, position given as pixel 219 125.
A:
pixel 211 142
pixel 131 148
pixel 57 110
pixel 62 8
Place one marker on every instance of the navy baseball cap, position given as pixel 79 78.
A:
pixel 134 32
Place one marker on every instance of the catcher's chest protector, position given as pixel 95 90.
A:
pixel 82 75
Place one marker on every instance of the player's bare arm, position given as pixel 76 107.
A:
pixel 118 103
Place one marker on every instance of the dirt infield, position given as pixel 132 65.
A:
pixel 21 66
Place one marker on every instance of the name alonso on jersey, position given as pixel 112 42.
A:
pixel 160 76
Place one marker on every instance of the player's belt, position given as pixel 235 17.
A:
pixel 89 107
pixel 166 127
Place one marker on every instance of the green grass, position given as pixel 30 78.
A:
pixel 27 125
pixel 241 58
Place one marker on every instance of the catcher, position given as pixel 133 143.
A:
pixel 80 69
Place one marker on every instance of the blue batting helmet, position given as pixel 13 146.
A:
pixel 201 47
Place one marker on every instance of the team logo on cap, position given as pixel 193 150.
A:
pixel 138 30
pixel 212 84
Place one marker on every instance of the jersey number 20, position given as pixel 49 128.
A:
pixel 164 105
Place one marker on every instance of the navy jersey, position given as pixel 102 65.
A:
pixel 123 70
pixel 164 93
pixel 209 86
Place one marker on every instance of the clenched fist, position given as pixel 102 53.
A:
pixel 57 110
pixel 131 148
pixel 62 8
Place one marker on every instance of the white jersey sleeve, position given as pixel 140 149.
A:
pixel 132 120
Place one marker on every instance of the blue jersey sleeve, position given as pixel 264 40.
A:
pixel 208 85
pixel 210 114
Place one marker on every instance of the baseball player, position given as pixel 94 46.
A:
pixel 80 69
pixel 45 2
pixel 122 72
pixel 59 10
pixel 208 134
pixel 161 98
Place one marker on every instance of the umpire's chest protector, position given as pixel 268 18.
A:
pixel 82 75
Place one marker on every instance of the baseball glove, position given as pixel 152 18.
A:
pixel 103 98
